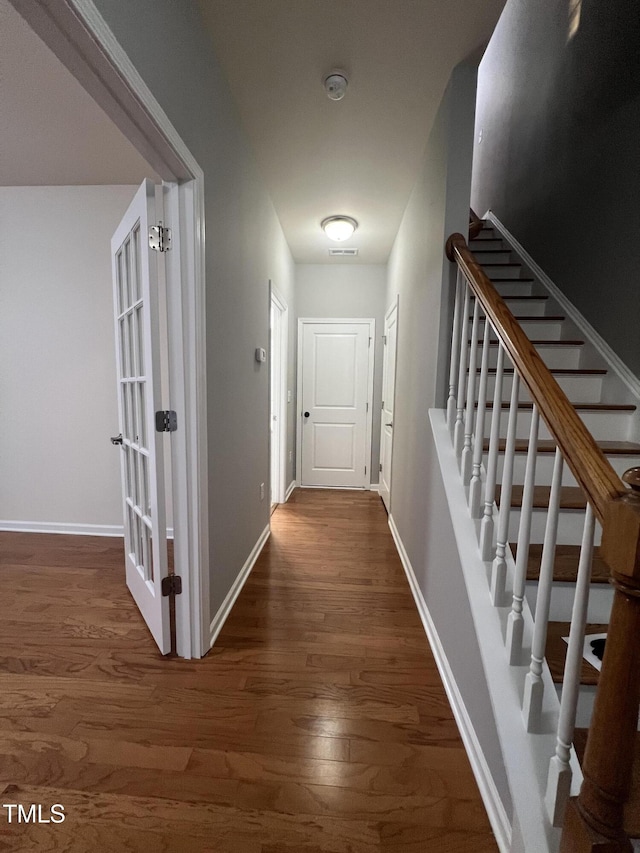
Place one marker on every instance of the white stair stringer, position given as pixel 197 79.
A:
pixel 526 755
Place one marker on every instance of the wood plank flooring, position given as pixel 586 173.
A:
pixel 317 724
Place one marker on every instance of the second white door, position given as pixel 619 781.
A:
pixel 336 389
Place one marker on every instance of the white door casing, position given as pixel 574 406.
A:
pixel 279 329
pixel 388 396
pixel 335 370
pixel 136 315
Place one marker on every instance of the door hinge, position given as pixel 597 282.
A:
pixel 380 467
pixel 365 469
pixel 369 341
pixel 382 406
pixel 159 238
pixel 171 585
pixel 367 407
pixel 166 421
pixel 384 340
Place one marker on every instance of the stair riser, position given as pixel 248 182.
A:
pixel 544 468
pixel 586 389
pixel 514 288
pixel 570 526
pixel 487 244
pixel 524 307
pixel 493 257
pixel 554 357
pixel 614 426
pixel 502 270
pixel 600 600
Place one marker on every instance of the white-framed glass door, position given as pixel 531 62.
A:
pixel 136 313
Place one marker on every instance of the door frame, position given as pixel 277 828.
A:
pixel 81 39
pixel 368 429
pixel 279 488
pixel 395 306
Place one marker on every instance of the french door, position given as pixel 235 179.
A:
pixel 336 395
pixel 388 396
pixel 136 313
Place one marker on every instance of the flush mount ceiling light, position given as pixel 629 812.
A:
pixel 339 228
pixel 335 85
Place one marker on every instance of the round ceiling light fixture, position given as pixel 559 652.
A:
pixel 335 85
pixel 339 228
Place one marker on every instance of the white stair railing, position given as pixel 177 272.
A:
pixel 499 566
pixel 467 452
pixel 486 525
pixel 461 286
pixel 475 487
pixel 458 427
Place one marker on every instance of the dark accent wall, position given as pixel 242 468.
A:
pixel 559 160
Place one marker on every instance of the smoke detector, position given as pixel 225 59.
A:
pixel 335 85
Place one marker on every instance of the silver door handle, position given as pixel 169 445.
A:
pixel 391 424
pixel 116 439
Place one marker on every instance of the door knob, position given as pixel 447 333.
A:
pixel 116 439
pixel 306 414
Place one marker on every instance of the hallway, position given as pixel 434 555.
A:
pixel 317 723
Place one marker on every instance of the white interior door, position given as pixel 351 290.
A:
pixel 136 312
pixel 337 374
pixel 388 395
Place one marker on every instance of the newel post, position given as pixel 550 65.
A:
pixel 594 821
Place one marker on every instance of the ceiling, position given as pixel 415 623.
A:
pixel 359 156
pixel 53 132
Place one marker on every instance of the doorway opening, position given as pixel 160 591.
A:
pixel 279 325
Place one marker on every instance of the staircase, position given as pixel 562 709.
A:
pixel 496 464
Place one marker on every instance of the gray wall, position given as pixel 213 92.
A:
pixel 245 248
pixel 421 275
pixel 349 290
pixel 558 162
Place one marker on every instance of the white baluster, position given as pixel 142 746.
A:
pixel 455 353
pixel 458 428
pixel 533 685
pixel 515 622
pixel 486 526
pixel 559 779
pixel 475 487
pixel 499 567
pixel 467 452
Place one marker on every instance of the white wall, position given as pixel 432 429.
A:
pixel 245 248
pixel 420 273
pixel 57 355
pixel 349 290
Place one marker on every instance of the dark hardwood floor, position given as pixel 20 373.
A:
pixel 317 724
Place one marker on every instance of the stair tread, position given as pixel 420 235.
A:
pixel 558 371
pixel 492 251
pixel 609 448
pixel 533 296
pixel 556 651
pixel 542 342
pixel 565 566
pixel 580 407
pixel 501 264
pixel 571 497
pixel 632 806
pixel 510 280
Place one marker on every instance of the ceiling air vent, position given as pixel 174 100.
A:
pixel 344 253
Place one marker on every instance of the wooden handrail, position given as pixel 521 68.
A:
pixel 594 821
pixel 475 224
pixel 587 462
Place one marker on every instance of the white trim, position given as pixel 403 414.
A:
pixel 290 489
pixel 66 527
pixel 225 608
pixel 613 360
pixel 78 35
pixel 498 817
pixel 374 487
pixel 371 366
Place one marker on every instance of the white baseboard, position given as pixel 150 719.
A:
pixel 498 817
pixel 70 528
pixel 292 486
pixel 613 360
pixel 225 608
pixel 62 527
pixel 374 487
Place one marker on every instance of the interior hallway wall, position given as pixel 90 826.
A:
pixel 558 161
pixel 245 248
pixel 423 278
pixel 57 351
pixel 349 290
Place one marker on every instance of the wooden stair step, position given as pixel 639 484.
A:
pixel 571 497
pixel 563 343
pixel 565 567
pixel 510 280
pixel 609 448
pixel 556 651
pixel 557 371
pixel 492 251
pixel 632 807
pixel 502 264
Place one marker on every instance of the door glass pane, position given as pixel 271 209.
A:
pixel 136 263
pixel 142 414
pixel 139 321
pixel 119 282
pixel 126 267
